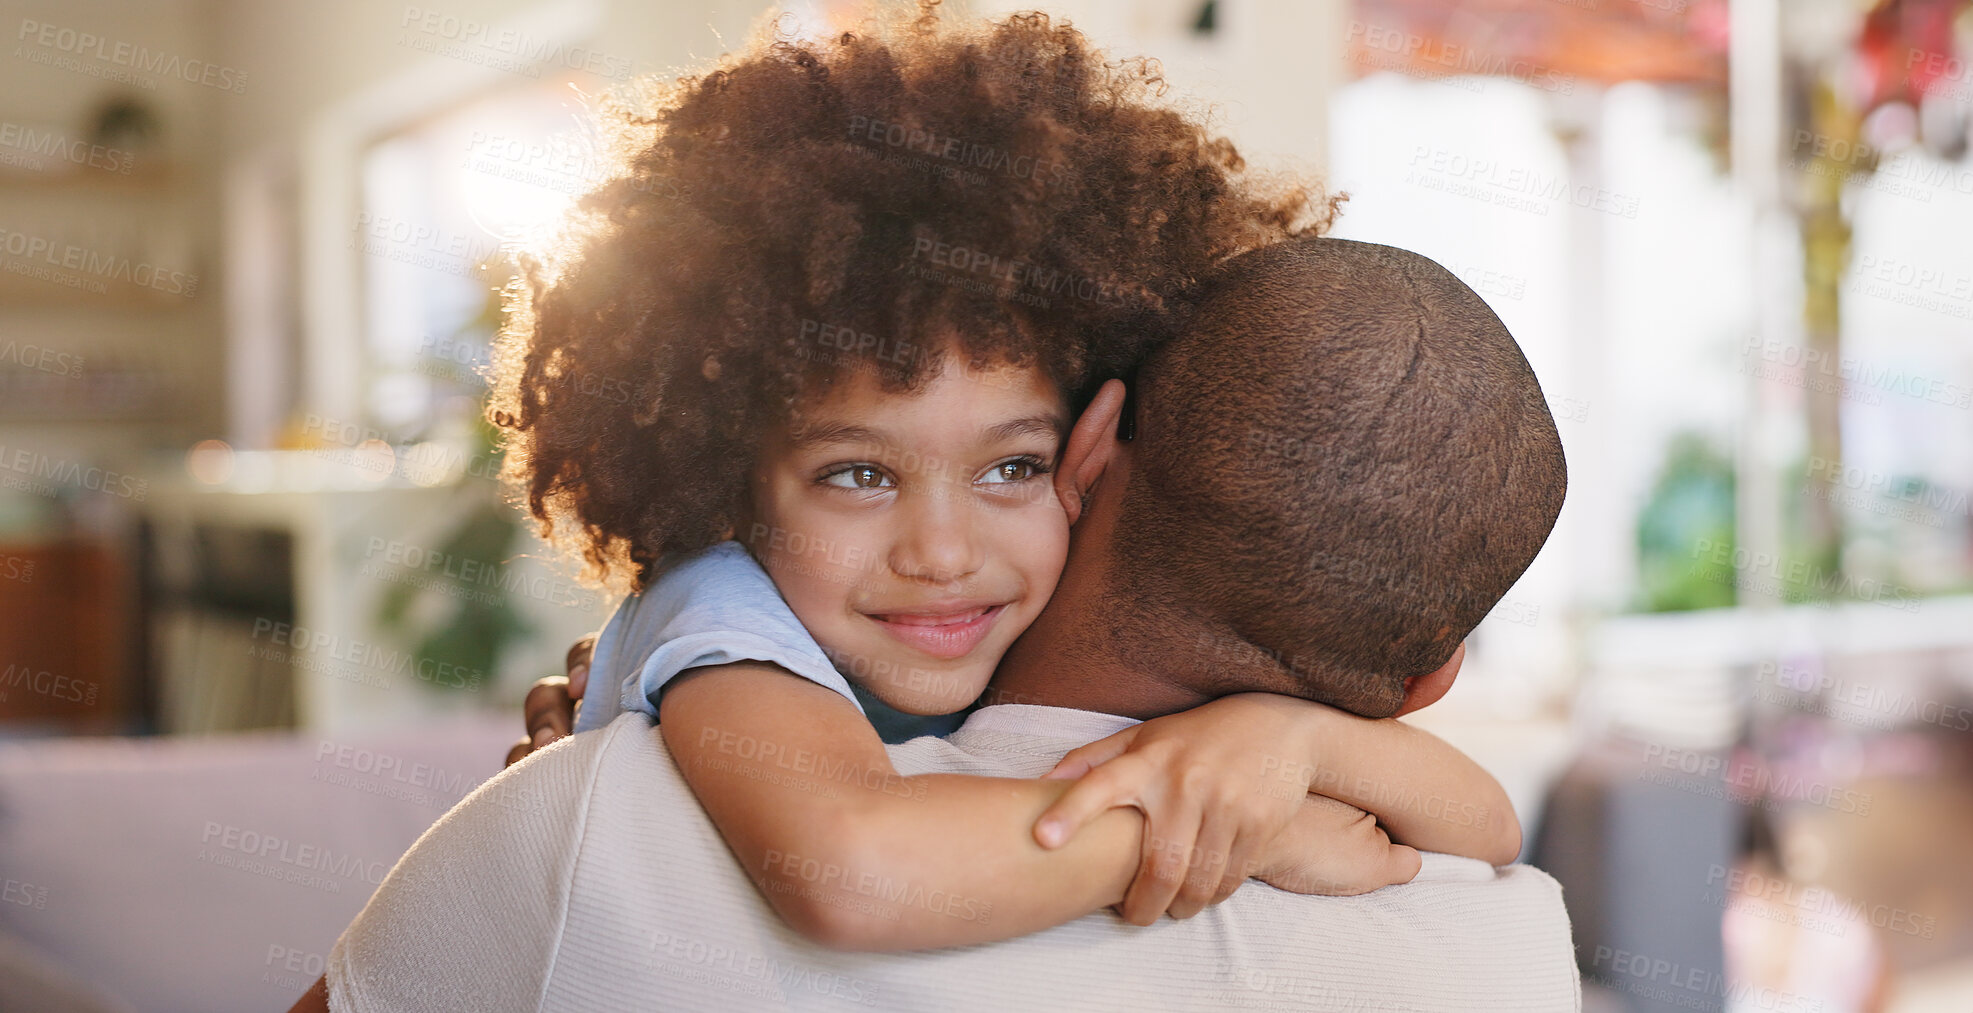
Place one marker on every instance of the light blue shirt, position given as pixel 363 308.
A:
pixel 717 607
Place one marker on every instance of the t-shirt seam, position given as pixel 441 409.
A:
pixel 568 892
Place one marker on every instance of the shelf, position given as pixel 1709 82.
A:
pixel 149 181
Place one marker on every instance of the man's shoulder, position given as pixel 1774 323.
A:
pixel 563 775
pixel 492 877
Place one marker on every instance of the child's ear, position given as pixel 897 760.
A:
pixel 1091 444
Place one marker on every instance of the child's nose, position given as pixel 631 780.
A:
pixel 936 541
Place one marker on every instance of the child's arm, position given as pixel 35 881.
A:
pixel 854 856
pixel 1251 752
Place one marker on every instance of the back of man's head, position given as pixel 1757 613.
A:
pixel 1342 465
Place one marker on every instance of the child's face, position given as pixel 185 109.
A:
pixel 916 535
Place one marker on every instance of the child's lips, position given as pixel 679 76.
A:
pixel 943 634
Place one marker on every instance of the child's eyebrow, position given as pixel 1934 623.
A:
pixel 818 433
pixel 1033 425
pixel 824 433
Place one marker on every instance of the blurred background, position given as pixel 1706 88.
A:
pixel 264 615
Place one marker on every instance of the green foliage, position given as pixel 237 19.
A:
pixel 1690 514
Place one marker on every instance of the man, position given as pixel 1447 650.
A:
pixel 1336 473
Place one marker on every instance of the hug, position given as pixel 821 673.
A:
pixel 1041 652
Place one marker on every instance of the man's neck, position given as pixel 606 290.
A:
pixel 1063 661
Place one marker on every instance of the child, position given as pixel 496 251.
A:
pixel 858 289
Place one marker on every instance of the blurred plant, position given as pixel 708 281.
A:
pixel 470 619
pixel 1691 505
pixel 469 622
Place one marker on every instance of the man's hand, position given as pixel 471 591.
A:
pixel 550 705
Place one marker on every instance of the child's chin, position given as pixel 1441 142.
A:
pixel 932 693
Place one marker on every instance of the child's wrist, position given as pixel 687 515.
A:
pixel 1335 756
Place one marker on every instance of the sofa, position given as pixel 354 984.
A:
pixel 209 874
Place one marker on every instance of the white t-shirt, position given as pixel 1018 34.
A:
pixel 587 878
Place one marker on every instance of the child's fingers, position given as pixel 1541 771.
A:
pixel 1393 865
pixel 1083 759
pixel 576 664
pixel 1111 785
pixel 1402 864
pixel 1239 865
pixel 1208 867
pixel 1168 845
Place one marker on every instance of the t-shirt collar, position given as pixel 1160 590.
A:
pixel 1046 722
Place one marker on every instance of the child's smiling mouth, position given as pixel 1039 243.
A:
pixel 944 630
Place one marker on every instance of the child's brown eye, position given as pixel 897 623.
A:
pixel 856 476
pixel 1019 469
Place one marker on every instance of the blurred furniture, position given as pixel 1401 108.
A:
pixel 257 600
pixel 63 609
pixel 1636 846
pixel 207 589
pixel 213 874
pixel 268 582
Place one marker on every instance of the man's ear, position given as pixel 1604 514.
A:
pixel 1091 444
pixel 1425 690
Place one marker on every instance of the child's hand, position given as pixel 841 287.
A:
pixel 1209 782
pixel 1334 848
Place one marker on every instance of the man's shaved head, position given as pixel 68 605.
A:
pixel 1339 469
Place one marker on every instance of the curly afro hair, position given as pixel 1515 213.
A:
pixel 881 199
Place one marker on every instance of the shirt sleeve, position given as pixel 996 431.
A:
pixel 715 608
pixel 491 879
